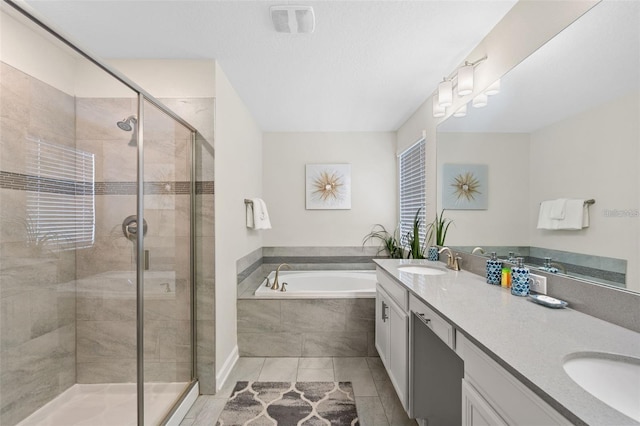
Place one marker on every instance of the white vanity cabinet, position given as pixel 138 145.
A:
pixel 392 333
pixel 493 396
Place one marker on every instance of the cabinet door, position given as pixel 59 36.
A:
pixel 476 411
pixel 399 352
pixel 382 326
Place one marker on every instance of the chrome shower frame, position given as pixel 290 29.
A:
pixel 143 96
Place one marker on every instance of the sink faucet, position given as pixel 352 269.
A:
pixel 453 262
pixel 276 285
pixel 478 250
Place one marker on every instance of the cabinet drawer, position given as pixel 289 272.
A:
pixel 398 293
pixel 440 327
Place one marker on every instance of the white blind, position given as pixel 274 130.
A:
pixel 61 196
pixel 412 189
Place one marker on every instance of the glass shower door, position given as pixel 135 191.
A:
pixel 167 268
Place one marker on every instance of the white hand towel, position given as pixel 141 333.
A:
pixel 544 216
pixel 249 214
pixel 574 217
pixel 260 214
pixel 558 208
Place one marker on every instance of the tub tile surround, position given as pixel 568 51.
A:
pixel 617 306
pixel 512 329
pixel 304 328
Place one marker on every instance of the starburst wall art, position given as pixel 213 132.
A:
pixel 328 186
pixel 464 186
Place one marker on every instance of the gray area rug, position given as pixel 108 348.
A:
pixel 290 404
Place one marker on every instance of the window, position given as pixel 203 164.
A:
pixel 412 189
pixel 61 197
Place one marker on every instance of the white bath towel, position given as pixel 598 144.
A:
pixel 558 208
pixel 576 216
pixel 257 215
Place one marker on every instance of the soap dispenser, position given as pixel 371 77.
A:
pixel 494 269
pixel 520 278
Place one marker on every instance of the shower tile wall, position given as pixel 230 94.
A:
pixel 200 113
pixel 37 288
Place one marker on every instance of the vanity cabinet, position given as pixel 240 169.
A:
pixel 475 410
pixel 392 333
pixel 491 395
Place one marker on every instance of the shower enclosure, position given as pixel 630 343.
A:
pixel 97 239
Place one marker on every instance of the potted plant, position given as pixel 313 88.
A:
pixel 389 242
pixel 438 228
pixel 415 249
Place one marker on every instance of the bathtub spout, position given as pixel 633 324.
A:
pixel 276 285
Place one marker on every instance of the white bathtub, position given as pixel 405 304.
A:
pixel 321 284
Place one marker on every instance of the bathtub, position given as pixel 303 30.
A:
pixel 321 285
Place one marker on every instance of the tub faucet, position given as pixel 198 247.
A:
pixel 276 285
pixel 453 262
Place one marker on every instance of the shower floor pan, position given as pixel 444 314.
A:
pixel 106 405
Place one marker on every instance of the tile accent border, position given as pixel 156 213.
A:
pixel 23 182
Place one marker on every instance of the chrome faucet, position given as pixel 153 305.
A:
pixel 276 285
pixel 453 262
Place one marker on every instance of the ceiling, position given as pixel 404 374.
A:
pixel 594 60
pixel 367 67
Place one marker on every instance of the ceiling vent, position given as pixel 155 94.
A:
pixel 293 19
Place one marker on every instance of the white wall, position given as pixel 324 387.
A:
pixel 506 221
pixel 595 155
pixel 27 48
pixel 373 178
pixel 238 175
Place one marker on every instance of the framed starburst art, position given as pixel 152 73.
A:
pixel 464 186
pixel 328 186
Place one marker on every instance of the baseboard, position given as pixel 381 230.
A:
pixel 228 365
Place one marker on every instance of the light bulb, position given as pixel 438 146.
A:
pixel 445 93
pixel 493 89
pixel 480 101
pixel 465 80
pixel 461 112
pixel 438 111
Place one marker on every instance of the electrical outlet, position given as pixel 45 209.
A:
pixel 539 284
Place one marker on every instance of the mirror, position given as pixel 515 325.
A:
pixel 564 125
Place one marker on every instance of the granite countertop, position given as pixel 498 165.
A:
pixel 529 340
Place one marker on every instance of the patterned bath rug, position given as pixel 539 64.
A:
pixel 290 404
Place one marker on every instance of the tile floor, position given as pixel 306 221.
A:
pixel 376 399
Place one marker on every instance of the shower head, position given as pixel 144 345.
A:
pixel 126 124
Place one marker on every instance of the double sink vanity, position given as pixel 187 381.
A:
pixel 460 351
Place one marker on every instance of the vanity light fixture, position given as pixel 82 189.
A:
pixel 445 93
pixel 493 89
pixel 438 111
pixel 480 101
pixel 465 79
pixel 461 112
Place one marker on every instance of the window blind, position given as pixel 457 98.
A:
pixel 412 189
pixel 61 196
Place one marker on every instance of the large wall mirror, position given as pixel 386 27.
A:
pixel 564 125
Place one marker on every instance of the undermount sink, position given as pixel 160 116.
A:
pixel 421 270
pixel 613 379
